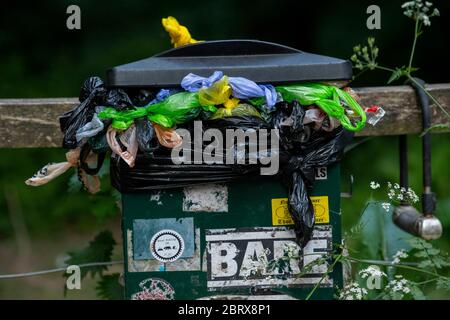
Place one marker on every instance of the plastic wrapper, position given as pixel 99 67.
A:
pixel 176 109
pixel 90 129
pixel 193 82
pixel 374 114
pixel 128 140
pixel 246 89
pixel 240 110
pixel 330 99
pixel 159 171
pixel 98 143
pixel 218 93
pixel 145 134
pixel 242 88
pixel 299 177
pixel 288 119
pixel 91 93
pixel 53 170
pixel 179 35
pixel 167 137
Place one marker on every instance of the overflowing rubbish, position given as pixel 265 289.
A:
pixel 374 114
pixel 314 122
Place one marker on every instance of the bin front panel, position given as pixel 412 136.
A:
pixel 228 239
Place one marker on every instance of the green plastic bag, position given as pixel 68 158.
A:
pixel 176 109
pixel 330 99
pixel 122 119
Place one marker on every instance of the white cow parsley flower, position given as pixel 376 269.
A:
pixel 374 185
pixel 372 271
pixel 418 10
pixel 401 254
pixel 352 291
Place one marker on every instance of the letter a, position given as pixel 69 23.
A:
pixel 74 20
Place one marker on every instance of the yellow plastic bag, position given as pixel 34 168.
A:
pixel 241 110
pixel 179 35
pixel 217 94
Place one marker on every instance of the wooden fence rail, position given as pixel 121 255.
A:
pixel 34 122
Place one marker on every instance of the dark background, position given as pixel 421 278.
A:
pixel 40 57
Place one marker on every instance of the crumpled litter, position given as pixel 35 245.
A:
pixel 246 89
pixel 193 82
pixel 129 141
pixel 216 94
pixel 179 35
pixel 330 99
pixel 53 170
pixel 90 129
pixel 241 110
pixel 374 114
pixel 145 133
pixel 168 138
pixel 320 119
pixel 241 88
pixel 91 91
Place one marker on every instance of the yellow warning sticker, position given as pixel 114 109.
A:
pixel 282 217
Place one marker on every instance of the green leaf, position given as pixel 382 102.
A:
pixel 380 235
pixel 443 283
pixel 109 287
pixel 98 250
pixel 416 293
pixel 395 75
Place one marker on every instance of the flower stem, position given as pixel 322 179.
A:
pixel 338 258
pixel 397 265
pixel 384 68
pixel 416 28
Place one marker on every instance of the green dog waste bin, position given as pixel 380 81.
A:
pixel 217 240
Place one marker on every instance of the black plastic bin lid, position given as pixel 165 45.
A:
pixel 260 61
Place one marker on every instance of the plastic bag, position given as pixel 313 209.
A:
pixel 117 98
pixel 176 109
pixel 122 120
pixel 145 134
pixel 320 119
pixel 91 93
pixel 128 139
pixel 299 175
pixel 90 129
pixel 218 93
pixel 98 143
pixel 288 119
pixel 53 170
pixel 242 88
pixel 159 171
pixel 330 99
pixel 246 89
pixel 193 82
pixel 167 137
pixel 179 35
pixel 240 110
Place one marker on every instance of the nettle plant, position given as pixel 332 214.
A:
pixel 365 56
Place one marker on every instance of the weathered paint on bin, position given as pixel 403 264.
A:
pixel 216 240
